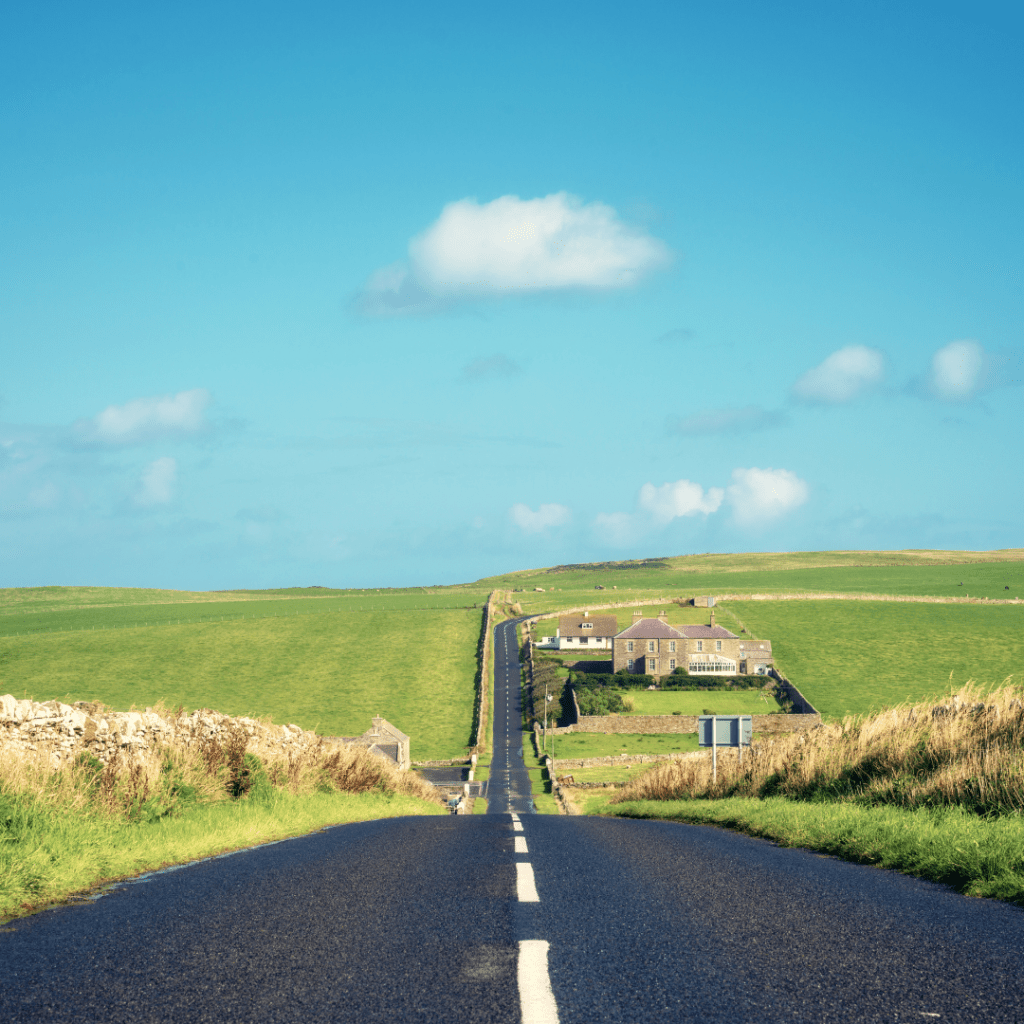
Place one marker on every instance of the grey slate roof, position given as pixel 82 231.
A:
pixel 699 632
pixel 601 625
pixel 652 629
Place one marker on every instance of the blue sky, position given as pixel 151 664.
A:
pixel 297 294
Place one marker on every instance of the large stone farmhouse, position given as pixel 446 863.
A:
pixel 653 647
pixel 581 630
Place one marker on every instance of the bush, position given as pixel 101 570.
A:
pixel 599 702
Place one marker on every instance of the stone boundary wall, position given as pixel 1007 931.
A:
pixel 801 705
pixel 613 760
pixel 60 732
pixel 531 619
pixel 483 676
pixel 654 724
pixel 898 598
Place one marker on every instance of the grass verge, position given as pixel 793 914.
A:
pixel 55 852
pixel 976 856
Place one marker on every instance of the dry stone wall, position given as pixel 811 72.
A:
pixel 653 724
pixel 63 731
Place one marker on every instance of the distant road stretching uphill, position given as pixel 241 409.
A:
pixel 517 916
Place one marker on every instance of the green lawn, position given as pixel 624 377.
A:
pixel 330 671
pixel 851 657
pixel 693 702
pixel 599 744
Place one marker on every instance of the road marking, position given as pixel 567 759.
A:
pixel 526 886
pixel 520 845
pixel 517 826
pixel 536 1000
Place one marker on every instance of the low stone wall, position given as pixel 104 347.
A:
pixel 654 724
pixel 61 732
pixel 613 760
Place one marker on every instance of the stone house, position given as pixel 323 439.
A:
pixel 384 739
pixel 654 648
pixel 582 630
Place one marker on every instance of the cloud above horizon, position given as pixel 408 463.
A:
pixel 843 376
pixel 546 517
pixel 674 500
pixel 759 496
pixel 513 246
pixel 958 371
pixel 148 419
pixel 157 484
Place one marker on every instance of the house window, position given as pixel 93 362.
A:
pixel 652 664
pixel 671 664
pixel 629 664
pixel 584 639
pixel 672 646
pixel 700 645
pixel 629 647
pixel 586 625
pixel 718 645
pixel 650 645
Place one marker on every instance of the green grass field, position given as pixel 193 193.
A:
pixel 693 702
pixel 599 744
pixel 914 573
pixel 852 657
pixel 325 670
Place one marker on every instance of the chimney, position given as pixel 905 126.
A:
pixel 712 618
pixel 637 616
pixel 586 615
pixel 663 615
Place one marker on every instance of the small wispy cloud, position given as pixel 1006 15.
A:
pixel 730 421
pixel 958 371
pixel 147 419
pixel 759 496
pixel 498 365
pixel 545 518
pixel 513 246
pixel 843 376
pixel 157 484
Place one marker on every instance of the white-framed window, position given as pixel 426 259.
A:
pixel 700 645
pixel 652 664
pixel 629 647
pixel 586 625
pixel 629 664
pixel 671 664
pixel 718 645
pixel 672 646
pixel 650 645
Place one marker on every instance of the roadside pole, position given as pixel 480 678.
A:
pixel 714 749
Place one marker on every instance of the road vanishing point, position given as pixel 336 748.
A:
pixel 514 916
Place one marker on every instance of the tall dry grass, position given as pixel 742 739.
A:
pixel 966 751
pixel 155 782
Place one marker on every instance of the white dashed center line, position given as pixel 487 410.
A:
pixel 536 1000
pixel 526 886
pixel 521 845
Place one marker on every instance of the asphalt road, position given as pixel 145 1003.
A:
pixel 508 787
pixel 507 917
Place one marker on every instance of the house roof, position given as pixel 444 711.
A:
pixel 600 625
pixel 651 629
pixel 756 645
pixel 699 632
pixel 757 655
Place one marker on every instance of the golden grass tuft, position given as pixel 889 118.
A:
pixel 965 751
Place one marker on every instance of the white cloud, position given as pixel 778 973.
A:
pixel 514 246
pixel 158 482
pixel 761 495
pixel 731 421
pixel 144 419
pixel 957 371
pixel 842 377
pixel 544 518
pixel 682 498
